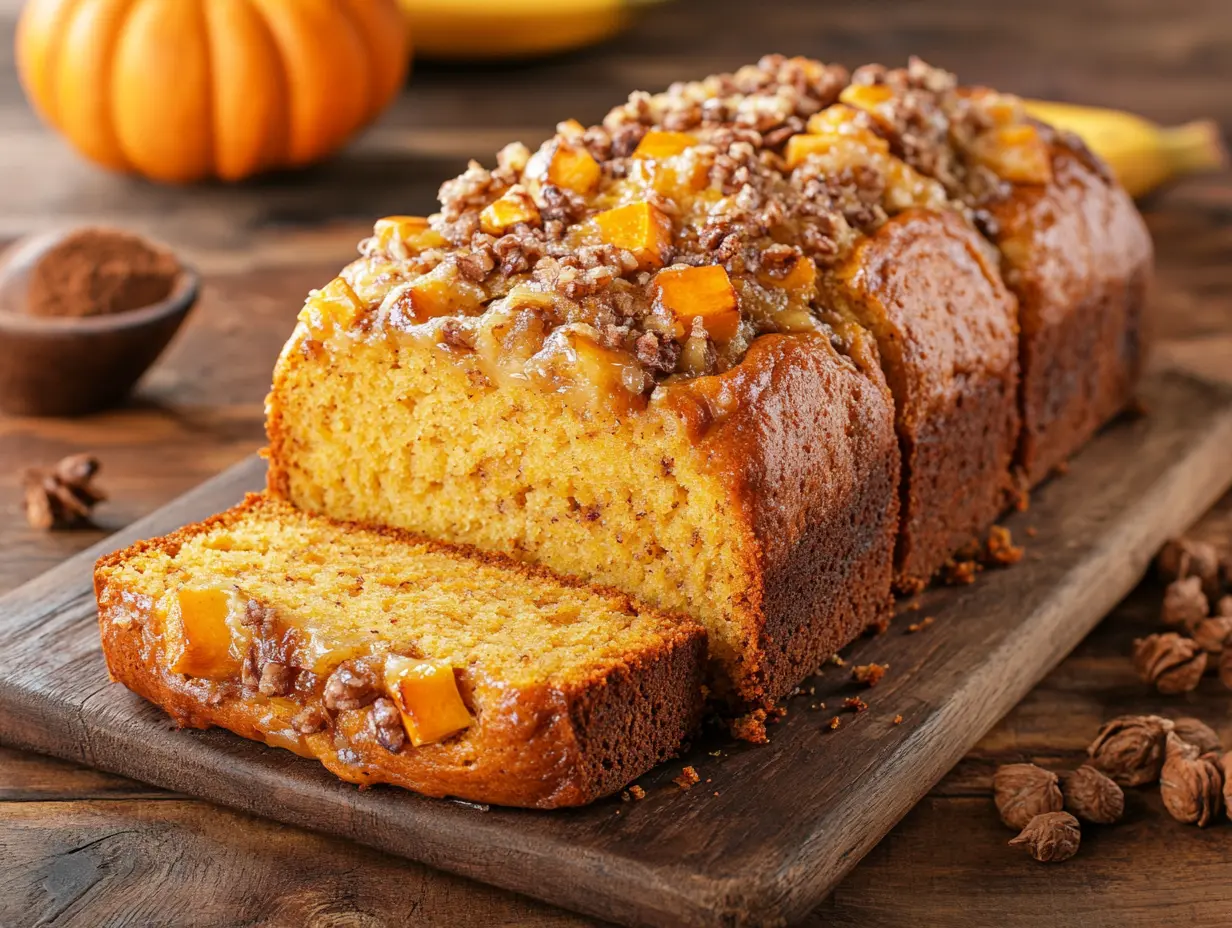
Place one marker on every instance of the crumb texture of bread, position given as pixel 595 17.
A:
pixel 727 499
pixel 573 691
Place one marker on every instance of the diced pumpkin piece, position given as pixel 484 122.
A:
pixel 690 292
pixel 403 236
pixel 334 306
pixel 858 145
pixel 440 292
pixel 800 278
pixel 640 228
pixel 199 635
pixel 513 207
pixel 573 168
pixel 426 693
pixel 663 144
pixel 1017 154
pixel 587 374
pixel 865 96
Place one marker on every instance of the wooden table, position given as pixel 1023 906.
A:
pixel 83 848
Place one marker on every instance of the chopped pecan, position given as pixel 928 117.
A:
pixel 352 685
pixel 386 724
pixel 276 679
pixel 310 720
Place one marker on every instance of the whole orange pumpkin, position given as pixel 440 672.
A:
pixel 181 90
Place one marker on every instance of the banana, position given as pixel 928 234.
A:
pixel 1140 153
pixel 478 29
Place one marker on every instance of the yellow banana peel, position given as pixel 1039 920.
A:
pixel 1140 153
pixel 495 29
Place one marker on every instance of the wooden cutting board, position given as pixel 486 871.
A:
pixel 770 829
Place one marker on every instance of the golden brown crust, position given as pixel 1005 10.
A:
pixel 947 334
pixel 1079 257
pixel 543 746
pixel 810 453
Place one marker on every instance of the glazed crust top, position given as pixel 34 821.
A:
pixel 766 179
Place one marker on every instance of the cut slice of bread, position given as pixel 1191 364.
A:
pixel 396 660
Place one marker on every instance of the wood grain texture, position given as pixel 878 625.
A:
pixel 262 245
pixel 774 828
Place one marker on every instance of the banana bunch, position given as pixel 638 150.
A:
pixel 491 29
pixel 1141 154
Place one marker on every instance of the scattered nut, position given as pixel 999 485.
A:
pixel 1224 606
pixel 1183 557
pixel 1185 604
pixel 386 723
pixel 1093 797
pixel 1191 785
pixel 64 497
pixel 1051 837
pixel 1023 791
pixel 1172 663
pixel 1198 734
pixel 1212 634
pixel 1001 550
pixel 637 792
pixel 1130 748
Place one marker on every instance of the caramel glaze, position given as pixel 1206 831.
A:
pixel 540 747
pixel 1078 255
pixel 926 284
pixel 805 438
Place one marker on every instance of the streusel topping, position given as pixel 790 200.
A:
pixel 662 242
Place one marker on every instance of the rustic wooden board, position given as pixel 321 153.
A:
pixel 772 828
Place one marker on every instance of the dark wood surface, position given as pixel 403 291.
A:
pixel 772 829
pixel 84 848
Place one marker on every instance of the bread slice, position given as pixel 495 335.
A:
pixel 926 285
pixel 396 660
pixel 1079 257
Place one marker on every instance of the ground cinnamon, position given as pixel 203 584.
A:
pixel 98 271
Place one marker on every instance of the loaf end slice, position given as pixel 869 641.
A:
pixel 395 660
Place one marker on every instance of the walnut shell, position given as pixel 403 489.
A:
pixel 1225 668
pixel 1184 557
pixel 1093 797
pixel 1185 604
pixel 1197 733
pixel 1172 663
pixel 1191 787
pixel 1130 748
pixel 1224 606
pixel 1023 791
pixel 1051 837
pixel 1211 635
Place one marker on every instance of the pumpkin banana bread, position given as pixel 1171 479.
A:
pixel 396 660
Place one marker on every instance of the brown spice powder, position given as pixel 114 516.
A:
pixel 98 271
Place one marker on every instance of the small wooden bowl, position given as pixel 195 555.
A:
pixel 61 366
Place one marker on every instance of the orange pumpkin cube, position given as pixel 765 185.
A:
pixel 440 292
pixel 426 693
pixel 705 292
pixel 199 635
pixel 513 207
pixel 663 144
pixel 1017 154
pixel 801 278
pixel 640 228
pixel 572 167
pixel 412 232
pixel 334 306
pixel 865 96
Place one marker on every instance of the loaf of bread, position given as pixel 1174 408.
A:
pixel 396 660
pixel 754 351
